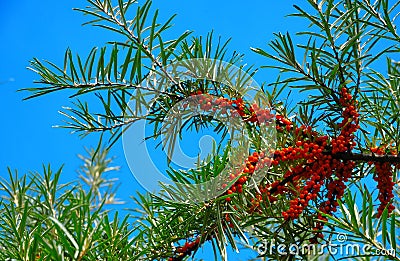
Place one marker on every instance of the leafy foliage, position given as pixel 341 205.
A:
pixel 42 219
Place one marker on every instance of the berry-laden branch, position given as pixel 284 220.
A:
pixel 315 161
pixel 185 250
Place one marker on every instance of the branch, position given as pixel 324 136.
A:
pixel 347 156
pixel 138 42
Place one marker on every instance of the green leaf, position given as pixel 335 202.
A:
pixel 384 227
pixel 66 232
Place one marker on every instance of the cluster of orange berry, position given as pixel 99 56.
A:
pixel 384 178
pixel 311 168
pixel 314 162
pixel 228 220
pixel 237 107
pixel 349 125
pixel 313 165
pixel 283 124
pixel 185 250
pixel 336 187
pixel 263 191
pixel 242 175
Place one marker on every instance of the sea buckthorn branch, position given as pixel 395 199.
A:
pixel 317 167
pixel 250 114
pixel 190 246
pixel 241 178
pixel 384 177
pixel 185 250
pixel 319 163
pixel 333 167
pixel 315 161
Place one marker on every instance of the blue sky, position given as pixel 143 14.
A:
pixel 44 29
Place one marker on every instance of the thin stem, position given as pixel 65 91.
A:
pixel 143 46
